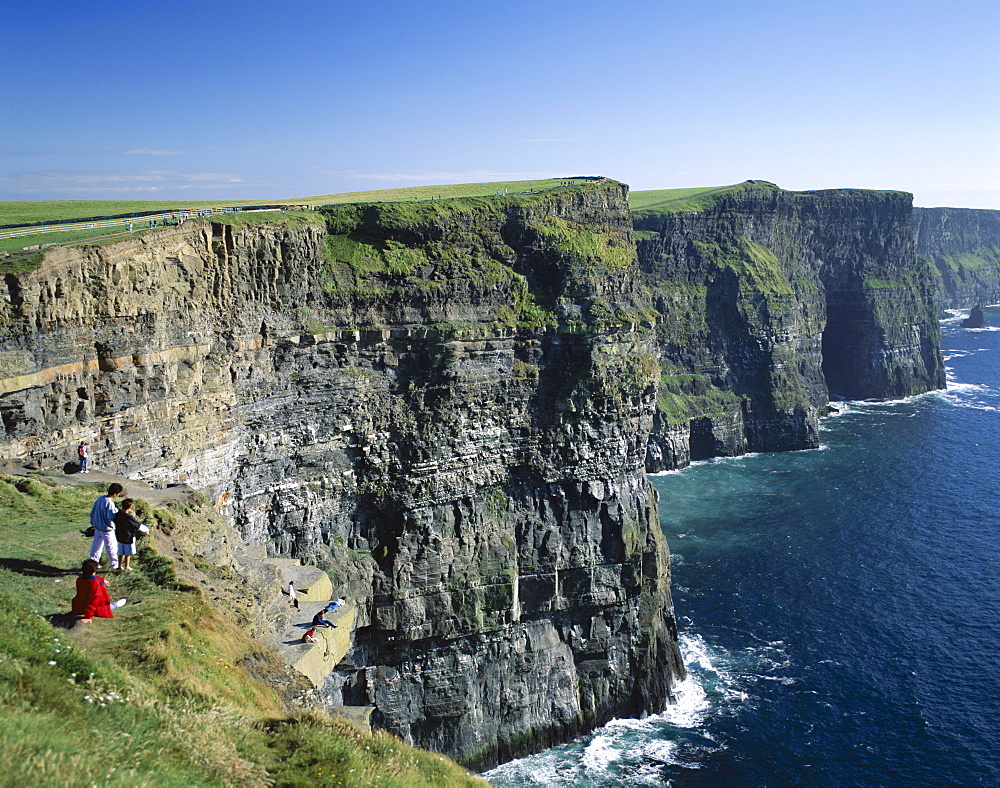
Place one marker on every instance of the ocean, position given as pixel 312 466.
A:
pixel 839 609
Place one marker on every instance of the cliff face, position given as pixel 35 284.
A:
pixel 964 246
pixel 451 406
pixel 771 302
pixel 446 405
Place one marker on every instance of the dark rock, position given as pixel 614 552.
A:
pixel 976 319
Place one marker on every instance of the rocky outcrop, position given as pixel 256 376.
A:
pixel 773 301
pixel 445 405
pixel 964 246
pixel 976 318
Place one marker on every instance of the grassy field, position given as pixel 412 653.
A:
pixel 112 234
pixel 161 694
pixel 25 212
pixel 678 200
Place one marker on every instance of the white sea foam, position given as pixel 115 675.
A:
pixel 968 395
pixel 960 400
pixel 668 473
pixel 600 753
pixel 637 751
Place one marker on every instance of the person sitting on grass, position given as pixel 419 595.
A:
pixel 92 597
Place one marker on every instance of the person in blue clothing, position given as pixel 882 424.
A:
pixel 335 604
pixel 102 518
pixel 319 620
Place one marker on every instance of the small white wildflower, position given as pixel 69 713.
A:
pixel 103 705
pixel 52 662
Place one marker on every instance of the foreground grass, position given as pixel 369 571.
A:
pixel 160 695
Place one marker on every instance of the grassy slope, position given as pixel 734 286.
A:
pixel 158 696
pixel 676 200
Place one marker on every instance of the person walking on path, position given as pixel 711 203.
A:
pixel 293 598
pixel 127 528
pixel 92 597
pixel 83 452
pixel 102 518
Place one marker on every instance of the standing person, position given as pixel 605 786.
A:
pixel 127 528
pixel 292 596
pixel 102 518
pixel 92 597
pixel 83 452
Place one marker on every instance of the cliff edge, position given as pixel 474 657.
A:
pixel 445 405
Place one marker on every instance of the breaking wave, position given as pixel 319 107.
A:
pixel 650 750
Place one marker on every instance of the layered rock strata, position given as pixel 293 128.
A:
pixel 446 405
pixel 964 246
pixel 771 302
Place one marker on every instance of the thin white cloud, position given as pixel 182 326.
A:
pixel 62 183
pixel 152 152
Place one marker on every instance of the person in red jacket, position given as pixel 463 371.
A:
pixel 92 597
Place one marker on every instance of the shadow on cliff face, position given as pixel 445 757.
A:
pixel 34 568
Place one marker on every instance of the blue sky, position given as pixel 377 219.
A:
pixel 217 99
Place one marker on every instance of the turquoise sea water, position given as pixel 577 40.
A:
pixel 839 608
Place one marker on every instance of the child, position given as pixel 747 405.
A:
pixel 92 598
pixel 127 528
pixel 292 596
pixel 309 636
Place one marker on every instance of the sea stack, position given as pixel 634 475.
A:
pixel 975 319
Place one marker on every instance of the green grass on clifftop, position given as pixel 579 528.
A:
pixel 161 695
pixel 28 211
pixel 686 200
